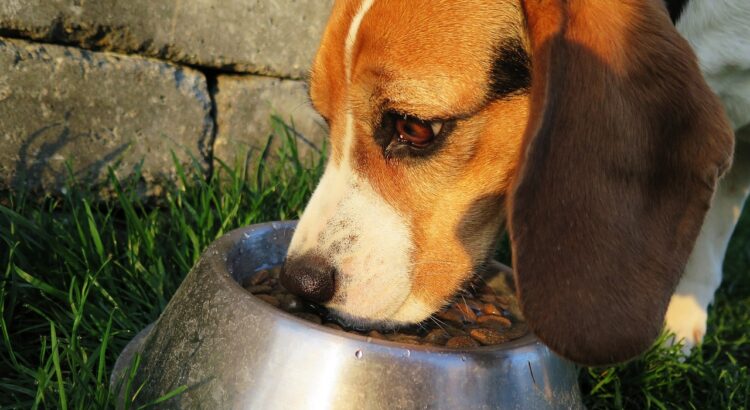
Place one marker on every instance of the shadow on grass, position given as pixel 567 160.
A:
pixel 80 276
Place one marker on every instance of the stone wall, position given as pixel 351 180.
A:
pixel 124 84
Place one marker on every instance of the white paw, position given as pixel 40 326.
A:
pixel 686 318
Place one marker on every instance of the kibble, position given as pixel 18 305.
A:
pixel 259 277
pixel 437 337
pixel 488 337
pixel 450 315
pixel 478 319
pixel 461 342
pixel 504 301
pixel 269 299
pixel 494 322
pixel 490 309
pixel 259 289
pixel 408 339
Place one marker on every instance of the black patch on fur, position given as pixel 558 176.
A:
pixel 511 70
pixel 676 7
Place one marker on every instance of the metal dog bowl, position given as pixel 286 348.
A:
pixel 231 350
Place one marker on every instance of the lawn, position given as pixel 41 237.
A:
pixel 80 276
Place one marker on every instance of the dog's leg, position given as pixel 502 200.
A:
pixel 687 312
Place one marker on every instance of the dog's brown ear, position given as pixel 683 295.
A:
pixel 621 156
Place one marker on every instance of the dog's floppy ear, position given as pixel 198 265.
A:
pixel 621 156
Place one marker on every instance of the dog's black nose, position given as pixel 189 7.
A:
pixel 310 277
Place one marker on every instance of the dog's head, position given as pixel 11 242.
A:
pixel 588 128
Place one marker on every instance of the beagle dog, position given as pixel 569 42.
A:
pixel 584 128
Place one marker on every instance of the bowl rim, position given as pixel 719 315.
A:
pixel 234 238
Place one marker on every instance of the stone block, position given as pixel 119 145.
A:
pixel 259 36
pixel 244 107
pixel 96 110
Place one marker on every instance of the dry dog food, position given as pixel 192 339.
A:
pixel 485 317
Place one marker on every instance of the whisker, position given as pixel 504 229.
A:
pixel 438 322
pixel 423 326
pixel 463 299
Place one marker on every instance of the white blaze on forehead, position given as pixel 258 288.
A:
pixel 351 37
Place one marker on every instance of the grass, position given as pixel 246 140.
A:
pixel 79 277
pixel 715 376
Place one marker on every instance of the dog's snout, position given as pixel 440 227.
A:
pixel 310 277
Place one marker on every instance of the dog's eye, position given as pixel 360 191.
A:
pixel 415 132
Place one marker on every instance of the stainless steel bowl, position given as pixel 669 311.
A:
pixel 232 350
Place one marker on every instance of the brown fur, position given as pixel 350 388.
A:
pixel 606 189
pixel 622 154
pixel 414 65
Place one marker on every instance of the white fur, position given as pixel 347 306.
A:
pixel 351 37
pixel 413 310
pixel 366 239
pixel 719 32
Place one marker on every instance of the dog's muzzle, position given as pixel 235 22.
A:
pixel 310 277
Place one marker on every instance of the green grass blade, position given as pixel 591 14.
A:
pixel 103 349
pixel 58 371
pixel 94 232
pixel 40 284
pixel 164 398
pixel 3 293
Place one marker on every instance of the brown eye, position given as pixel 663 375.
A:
pixel 415 132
